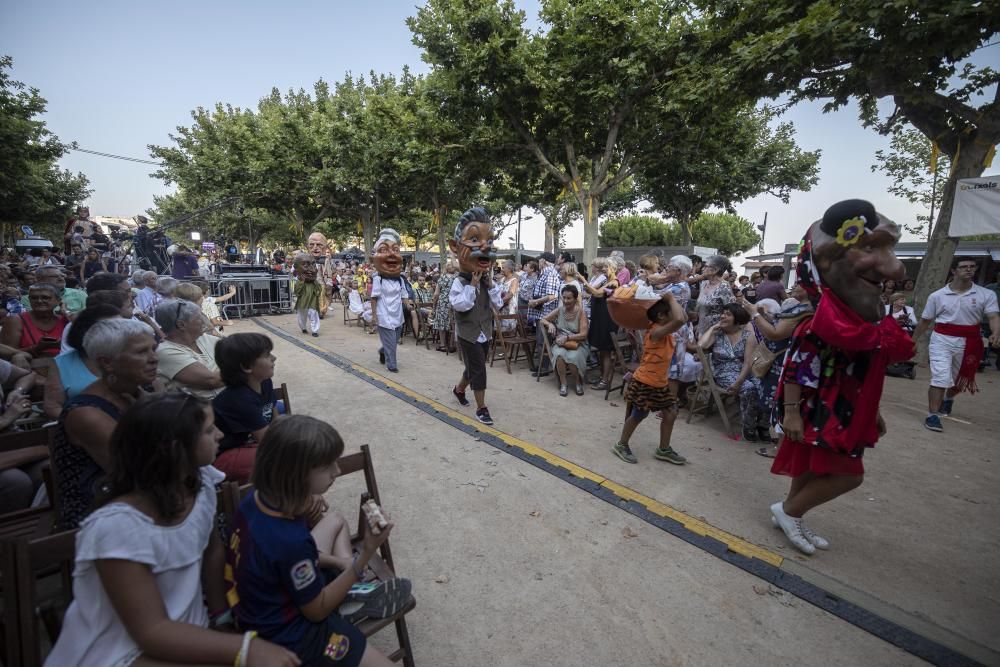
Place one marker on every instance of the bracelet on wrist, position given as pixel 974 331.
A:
pixel 241 657
pixel 358 572
pixel 796 403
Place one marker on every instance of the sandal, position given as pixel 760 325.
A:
pixel 601 386
pixel 579 390
pixel 441 348
pixel 767 452
pixel 562 390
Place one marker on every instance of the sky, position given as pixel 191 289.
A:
pixel 119 76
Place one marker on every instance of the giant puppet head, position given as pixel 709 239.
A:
pixel 472 241
pixel 850 252
pixel 305 267
pixel 385 254
pixel 318 245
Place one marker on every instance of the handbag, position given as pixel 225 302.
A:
pixel 762 360
pixel 571 344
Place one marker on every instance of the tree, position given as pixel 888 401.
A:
pixel 33 189
pixel 570 95
pixel 918 174
pixel 727 232
pixel 736 157
pixel 913 52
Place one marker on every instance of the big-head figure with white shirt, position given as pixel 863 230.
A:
pixel 473 295
pixel 956 347
pixel 388 293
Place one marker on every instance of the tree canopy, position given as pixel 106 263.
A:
pixel 915 53
pixel 728 233
pixel 918 174
pixel 33 189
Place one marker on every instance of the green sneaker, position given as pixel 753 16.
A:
pixel 670 456
pixel 624 453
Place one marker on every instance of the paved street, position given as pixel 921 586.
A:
pixel 511 561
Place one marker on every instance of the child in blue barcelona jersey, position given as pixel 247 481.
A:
pixel 280 549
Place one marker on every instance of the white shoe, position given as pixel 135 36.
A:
pixel 792 528
pixel 817 541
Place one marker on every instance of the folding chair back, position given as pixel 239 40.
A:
pixel 622 353
pixel 511 340
pixel 706 392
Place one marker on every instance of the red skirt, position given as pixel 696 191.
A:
pixel 797 458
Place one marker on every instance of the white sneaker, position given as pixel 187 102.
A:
pixel 792 528
pixel 817 541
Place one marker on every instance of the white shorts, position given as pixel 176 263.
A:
pixel 945 355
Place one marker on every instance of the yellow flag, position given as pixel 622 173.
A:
pixel 934 156
pixel 988 160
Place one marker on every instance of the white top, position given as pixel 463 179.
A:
pixel 910 316
pixel 390 294
pixel 173 357
pixel 946 306
pixel 463 298
pixel 92 633
pixel 354 303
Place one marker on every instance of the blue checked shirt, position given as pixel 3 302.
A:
pixel 548 283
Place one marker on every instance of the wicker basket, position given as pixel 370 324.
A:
pixel 630 313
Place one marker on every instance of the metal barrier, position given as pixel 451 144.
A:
pixel 256 294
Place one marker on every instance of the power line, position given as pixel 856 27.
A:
pixel 117 157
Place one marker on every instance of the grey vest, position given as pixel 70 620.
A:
pixel 477 319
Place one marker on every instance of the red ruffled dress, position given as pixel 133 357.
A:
pixel 839 361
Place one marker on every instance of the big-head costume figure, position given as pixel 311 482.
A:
pixel 388 292
pixel 319 248
pixel 831 383
pixel 308 293
pixel 473 296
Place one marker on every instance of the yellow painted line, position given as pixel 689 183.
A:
pixel 732 542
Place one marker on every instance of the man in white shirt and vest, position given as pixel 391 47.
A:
pixel 956 346
pixel 473 296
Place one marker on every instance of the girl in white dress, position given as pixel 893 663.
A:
pixel 143 557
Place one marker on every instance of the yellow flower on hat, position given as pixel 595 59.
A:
pixel 851 231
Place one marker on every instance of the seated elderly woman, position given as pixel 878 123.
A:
pixel 124 352
pixel 568 326
pixel 245 408
pixel 73 371
pixel 38 332
pixel 732 345
pixel 187 355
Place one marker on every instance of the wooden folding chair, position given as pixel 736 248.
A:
pixel 706 392
pixel 381 563
pixel 424 319
pixel 621 353
pixel 17 449
pixel 547 351
pixel 281 394
pixel 512 340
pixel 22 559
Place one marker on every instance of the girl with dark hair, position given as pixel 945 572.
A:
pixel 280 556
pixel 143 556
pixel 245 408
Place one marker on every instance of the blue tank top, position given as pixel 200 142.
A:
pixel 73 373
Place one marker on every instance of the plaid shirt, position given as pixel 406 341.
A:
pixel 548 283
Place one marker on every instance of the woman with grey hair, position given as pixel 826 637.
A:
pixel 38 331
pixel 124 352
pixel 187 354
pixel 713 294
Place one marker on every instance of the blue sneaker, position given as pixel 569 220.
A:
pixel 946 405
pixel 933 422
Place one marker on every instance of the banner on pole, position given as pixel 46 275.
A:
pixel 977 207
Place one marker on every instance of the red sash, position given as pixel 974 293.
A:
pixel 974 350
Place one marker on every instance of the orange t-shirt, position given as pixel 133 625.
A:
pixel 656 355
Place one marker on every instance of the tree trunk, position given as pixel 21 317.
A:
pixel 367 231
pixel 685 223
pixel 442 241
pixel 936 265
pixel 549 236
pixel 590 205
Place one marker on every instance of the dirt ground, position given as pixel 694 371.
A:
pixel 512 563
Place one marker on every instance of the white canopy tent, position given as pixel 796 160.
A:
pixel 977 207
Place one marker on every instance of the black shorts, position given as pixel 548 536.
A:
pixel 334 642
pixel 474 358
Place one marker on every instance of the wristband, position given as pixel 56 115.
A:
pixel 795 403
pixel 241 657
